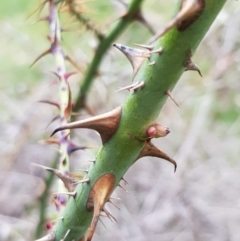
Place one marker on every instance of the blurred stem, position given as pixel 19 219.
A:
pixel 43 201
pixel 64 102
pixel 105 43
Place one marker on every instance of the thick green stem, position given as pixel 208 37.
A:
pixel 103 46
pixel 138 111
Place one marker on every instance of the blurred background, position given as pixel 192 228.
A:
pixel 200 202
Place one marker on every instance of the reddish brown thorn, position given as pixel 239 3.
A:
pixel 191 66
pixel 188 10
pixel 144 22
pixel 49 237
pixel 98 195
pixel 49 51
pixel 150 150
pixel 106 124
pixel 68 75
pixel 50 103
pixel 50 141
pixel 168 93
pixel 53 119
pixel 64 177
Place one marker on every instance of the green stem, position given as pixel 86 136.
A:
pixel 103 46
pixel 138 112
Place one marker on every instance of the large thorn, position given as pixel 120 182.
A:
pixel 168 93
pixel 135 56
pixel 150 150
pixel 105 124
pixel 189 12
pixel 68 181
pixel 49 237
pixel 98 196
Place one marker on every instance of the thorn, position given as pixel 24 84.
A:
pixel 74 64
pixel 66 234
pixel 189 12
pixel 72 148
pixel 68 181
pixel 157 51
pixel 68 75
pixel 56 219
pixel 125 182
pixel 157 130
pixel 72 194
pixel 109 215
pixel 150 150
pixel 148 47
pixel 123 188
pixel 129 87
pixel 98 196
pixel 93 161
pixel 190 65
pixel 105 124
pixel 152 63
pixel 50 141
pixel 87 180
pixel 50 103
pixel 113 204
pixel 144 22
pixel 116 198
pixel 49 237
pixel 53 119
pixel 135 56
pixel 168 93
pixel 138 86
pixel 39 7
pixel 102 222
pixel 82 170
pixel 49 51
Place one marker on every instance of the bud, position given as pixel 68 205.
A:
pixel 157 130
